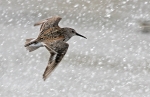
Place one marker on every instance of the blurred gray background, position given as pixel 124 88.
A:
pixel 113 62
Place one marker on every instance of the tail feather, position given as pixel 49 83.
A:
pixel 29 42
pixel 30 47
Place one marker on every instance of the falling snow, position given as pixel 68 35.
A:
pixel 113 62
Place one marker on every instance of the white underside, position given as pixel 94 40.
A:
pixel 36 45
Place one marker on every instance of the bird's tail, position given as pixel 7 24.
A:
pixel 29 42
pixel 29 46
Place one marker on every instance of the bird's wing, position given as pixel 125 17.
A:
pixel 48 23
pixel 57 50
pixel 40 22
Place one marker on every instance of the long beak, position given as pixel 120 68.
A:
pixel 80 35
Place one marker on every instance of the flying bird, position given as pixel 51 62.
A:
pixel 54 40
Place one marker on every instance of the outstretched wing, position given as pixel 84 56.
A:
pixel 57 50
pixel 49 22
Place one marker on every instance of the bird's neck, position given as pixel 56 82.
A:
pixel 66 38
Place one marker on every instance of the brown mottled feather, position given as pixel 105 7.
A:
pixel 49 22
pixel 49 35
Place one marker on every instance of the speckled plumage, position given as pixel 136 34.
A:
pixel 49 22
pixel 54 40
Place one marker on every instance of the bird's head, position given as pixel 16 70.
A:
pixel 71 32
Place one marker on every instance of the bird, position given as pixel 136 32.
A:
pixel 49 22
pixel 54 39
pixel 145 26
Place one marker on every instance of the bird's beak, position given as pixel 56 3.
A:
pixel 80 35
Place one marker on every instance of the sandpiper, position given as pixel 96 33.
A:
pixel 54 39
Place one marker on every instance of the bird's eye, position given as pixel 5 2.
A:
pixel 72 31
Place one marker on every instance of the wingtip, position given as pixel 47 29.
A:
pixel 36 24
pixel 44 78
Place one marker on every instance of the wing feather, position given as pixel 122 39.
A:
pixel 61 49
pixel 48 23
